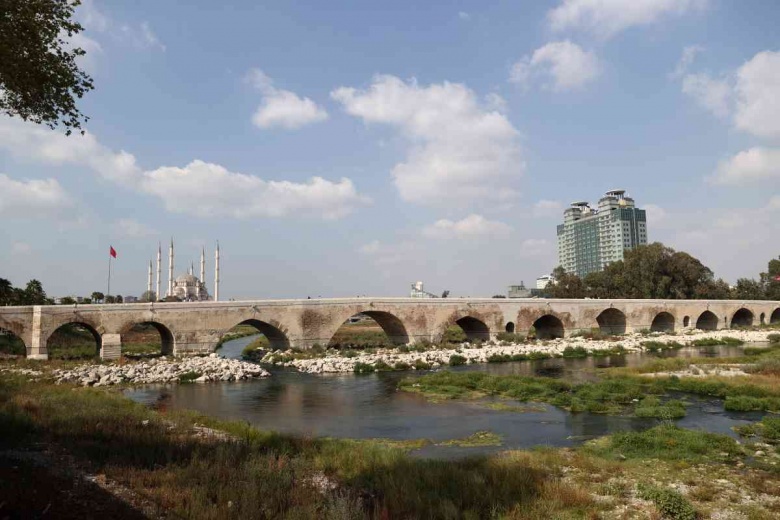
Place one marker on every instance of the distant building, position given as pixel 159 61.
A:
pixel 543 281
pixel 590 239
pixel 518 291
pixel 130 299
pixel 419 292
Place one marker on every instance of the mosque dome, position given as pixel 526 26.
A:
pixel 187 279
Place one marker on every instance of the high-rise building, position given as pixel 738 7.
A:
pixel 589 239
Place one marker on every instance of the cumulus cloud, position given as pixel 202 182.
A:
pixel 547 208
pixel 753 165
pixel 459 151
pixel 566 63
pixel 606 18
pixel 31 198
pixel 204 189
pixel 711 94
pixel 95 21
pixel 282 108
pixel 210 190
pixel 758 103
pixel 131 228
pixel 472 226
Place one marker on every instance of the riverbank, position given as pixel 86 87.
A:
pixel 193 466
pixel 428 356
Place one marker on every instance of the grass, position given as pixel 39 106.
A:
pixel 670 503
pixel 480 438
pixel 661 346
pixel 712 342
pixel 609 396
pixel 255 350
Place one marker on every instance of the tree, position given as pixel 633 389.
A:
pixel 34 293
pixel 118 298
pixel 67 300
pixel 148 296
pixel 748 289
pixel 98 296
pixel 7 293
pixel 39 78
pixel 567 285
pixel 109 299
pixel 771 280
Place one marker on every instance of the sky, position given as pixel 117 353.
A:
pixel 349 148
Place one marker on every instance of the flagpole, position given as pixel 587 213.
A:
pixel 108 290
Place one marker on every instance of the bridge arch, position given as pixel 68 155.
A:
pixel 775 316
pixel 474 328
pixel 687 321
pixel 707 320
pixel 663 322
pixel 742 318
pixel 510 327
pixel 167 341
pixel 762 319
pixel 548 326
pixel 391 325
pixel 273 332
pixel 10 342
pixel 612 321
pixel 66 336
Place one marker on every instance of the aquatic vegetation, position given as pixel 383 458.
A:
pixel 480 438
pixel 712 342
pixel 652 406
pixel 661 346
pixel 457 360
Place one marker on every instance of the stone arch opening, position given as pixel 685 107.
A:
pixel 687 321
pixel 775 316
pixel 276 338
pixel 146 339
pixel 742 318
pixel 510 327
pixel 762 319
pixel 707 321
pixel 548 327
pixel 473 328
pixel 663 322
pixel 11 344
pixel 370 329
pixel 75 340
pixel 612 321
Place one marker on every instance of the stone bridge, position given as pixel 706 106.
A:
pixel 196 328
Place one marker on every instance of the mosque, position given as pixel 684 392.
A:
pixel 186 287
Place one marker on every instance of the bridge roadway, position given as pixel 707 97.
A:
pixel 196 328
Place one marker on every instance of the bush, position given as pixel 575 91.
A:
pixel 189 377
pixel 745 403
pixel 575 352
pixel 660 346
pixel 419 364
pixel 773 338
pixel 712 342
pixel 454 334
pixel 670 503
pixel 456 360
pixel 381 366
pixel 510 337
pixel 402 366
pixel 652 406
pixel 363 368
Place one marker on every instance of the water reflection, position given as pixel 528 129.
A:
pixel 370 406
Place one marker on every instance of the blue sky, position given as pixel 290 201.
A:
pixel 342 148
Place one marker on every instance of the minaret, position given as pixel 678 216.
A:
pixel 216 275
pixel 170 270
pixel 202 284
pixel 159 269
pixel 149 282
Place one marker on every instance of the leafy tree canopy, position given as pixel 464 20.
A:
pixel 39 78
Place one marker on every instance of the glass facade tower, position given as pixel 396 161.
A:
pixel 589 239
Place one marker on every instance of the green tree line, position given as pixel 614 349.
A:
pixel 660 272
pixel 33 294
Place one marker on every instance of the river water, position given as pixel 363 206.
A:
pixel 370 406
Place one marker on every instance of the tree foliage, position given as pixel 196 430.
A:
pixel 39 77
pixel 31 294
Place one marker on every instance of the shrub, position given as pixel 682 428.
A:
pixel 773 338
pixel 712 342
pixel 670 503
pixel 575 352
pixel 403 349
pixel 454 334
pixel 419 364
pixel 510 337
pixel 401 366
pixel 746 403
pixel 363 368
pixel 660 346
pixel 651 406
pixel 189 377
pixel 381 366
pixel 350 354
pixel 456 360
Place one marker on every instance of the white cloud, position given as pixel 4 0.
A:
pixel 547 208
pixel 141 37
pixel 210 190
pixel 495 102
pixel 463 15
pixel 534 247
pixel 711 94
pixel 656 215
pixel 20 249
pixel 282 108
pixel 569 66
pixel 753 165
pixel 459 152
pixel 131 228
pixel 93 50
pixel 472 226
pixel 758 103
pixel 31 198
pixel 689 54
pixel 95 21
pixel 605 18
pixel 203 189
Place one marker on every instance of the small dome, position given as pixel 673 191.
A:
pixel 187 279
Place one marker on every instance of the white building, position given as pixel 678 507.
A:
pixel 589 239
pixel 543 281
pixel 419 292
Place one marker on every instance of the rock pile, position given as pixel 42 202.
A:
pixel 162 370
pixel 331 363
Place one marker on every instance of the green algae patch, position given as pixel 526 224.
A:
pixel 516 408
pixel 480 438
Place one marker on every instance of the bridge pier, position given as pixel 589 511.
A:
pixel 110 346
pixel 37 347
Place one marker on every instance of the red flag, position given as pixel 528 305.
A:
pixel 112 251
pixel 777 278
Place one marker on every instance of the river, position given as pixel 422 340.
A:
pixel 370 406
